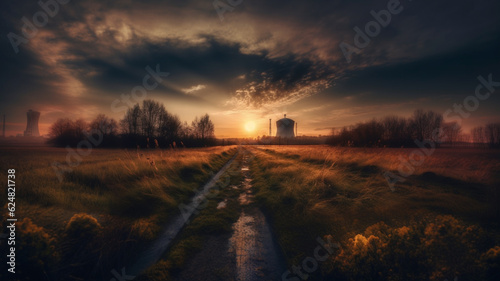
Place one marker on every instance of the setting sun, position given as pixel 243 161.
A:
pixel 250 126
pixel 237 140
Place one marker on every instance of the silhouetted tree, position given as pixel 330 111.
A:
pixel 390 131
pixel 423 124
pixel 488 134
pixel 168 126
pixel 203 128
pixel 109 129
pixel 492 133
pixel 131 122
pixel 396 131
pixel 152 121
pixel 108 126
pixel 451 131
pixel 478 135
pixel 62 132
pixel 150 118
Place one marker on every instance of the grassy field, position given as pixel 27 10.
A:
pixel 103 209
pixel 341 194
pixel 211 221
pixel 440 223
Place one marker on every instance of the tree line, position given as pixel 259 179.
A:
pixel 396 131
pixel 145 125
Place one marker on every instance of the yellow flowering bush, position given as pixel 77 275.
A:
pixel 35 250
pixel 433 249
pixel 83 226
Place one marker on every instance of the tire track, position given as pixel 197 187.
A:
pixel 157 248
pixel 257 255
pixel 248 253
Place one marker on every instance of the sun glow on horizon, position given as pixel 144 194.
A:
pixel 250 126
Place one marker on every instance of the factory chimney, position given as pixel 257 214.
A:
pixel 269 127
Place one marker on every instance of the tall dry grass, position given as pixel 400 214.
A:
pixel 131 193
pixel 472 165
pixel 315 191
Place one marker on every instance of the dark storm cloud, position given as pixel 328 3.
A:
pixel 454 73
pixel 263 53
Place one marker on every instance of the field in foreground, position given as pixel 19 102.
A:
pixel 101 210
pixel 440 223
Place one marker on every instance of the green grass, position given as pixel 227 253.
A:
pixel 131 194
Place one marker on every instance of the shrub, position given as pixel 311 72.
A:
pixel 82 226
pixel 144 229
pixel 491 263
pixel 35 251
pixel 434 249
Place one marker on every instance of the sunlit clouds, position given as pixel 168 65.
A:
pixel 265 59
pixel 194 89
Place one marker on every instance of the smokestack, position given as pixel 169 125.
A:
pixel 269 127
pixel 32 125
pixel 3 127
pixel 296 129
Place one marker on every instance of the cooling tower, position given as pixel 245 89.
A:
pixel 285 128
pixel 32 125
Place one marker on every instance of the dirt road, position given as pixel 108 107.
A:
pixel 249 253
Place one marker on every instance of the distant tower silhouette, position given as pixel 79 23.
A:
pixel 3 127
pixel 32 125
pixel 284 128
pixel 269 127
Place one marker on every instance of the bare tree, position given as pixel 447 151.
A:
pixel 152 122
pixel 368 134
pixel 67 132
pixel 478 135
pixel 203 128
pixel 451 132
pixel 131 122
pixel 108 126
pixel 61 127
pixel 185 131
pixel 396 130
pixel 492 133
pixel 169 125
pixel 151 112
pixel 424 123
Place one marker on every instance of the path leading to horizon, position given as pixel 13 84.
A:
pixel 248 253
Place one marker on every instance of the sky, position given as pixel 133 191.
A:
pixel 245 61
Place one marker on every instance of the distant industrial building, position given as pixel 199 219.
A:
pixel 3 127
pixel 32 125
pixel 285 127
